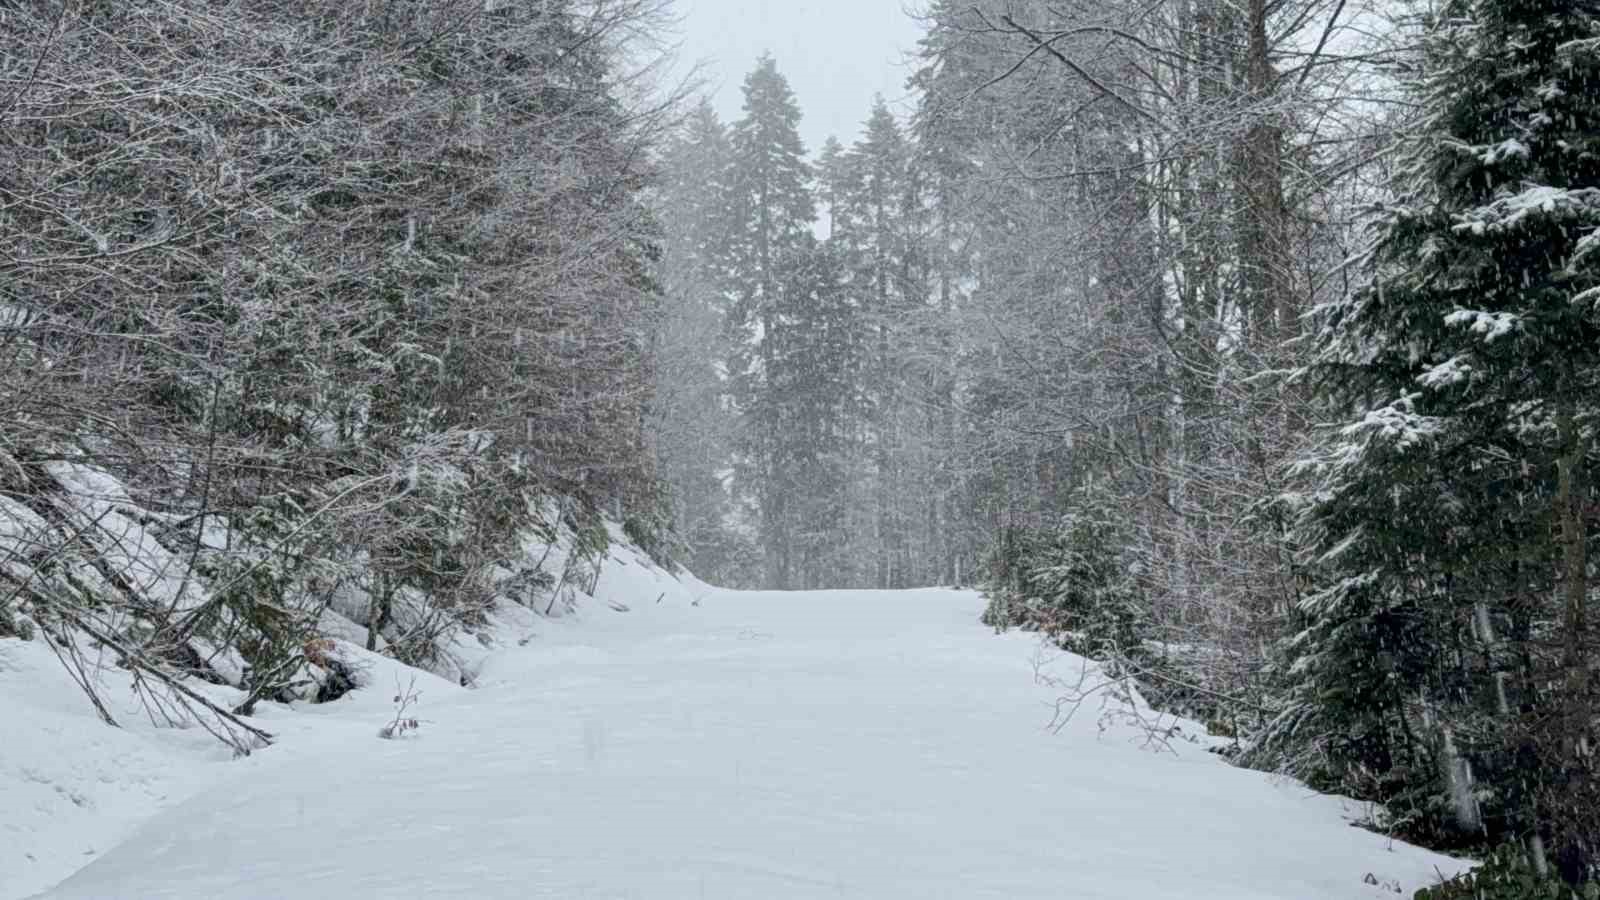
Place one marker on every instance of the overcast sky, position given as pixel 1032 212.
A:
pixel 835 53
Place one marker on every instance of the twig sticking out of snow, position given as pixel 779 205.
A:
pixel 404 699
pixel 1119 700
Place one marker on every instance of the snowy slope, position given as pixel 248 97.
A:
pixel 72 788
pixel 745 745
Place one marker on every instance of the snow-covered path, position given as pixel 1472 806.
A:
pixel 757 745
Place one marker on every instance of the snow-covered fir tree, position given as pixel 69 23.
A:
pixel 692 423
pixel 772 212
pixel 1448 651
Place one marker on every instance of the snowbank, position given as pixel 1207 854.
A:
pixel 71 786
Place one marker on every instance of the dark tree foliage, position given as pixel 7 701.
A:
pixel 1447 661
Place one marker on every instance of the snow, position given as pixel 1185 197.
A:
pixel 99 505
pixel 20 530
pixel 1507 149
pixel 1396 422
pixel 1491 325
pixel 71 787
pixel 706 744
pixel 1589 243
pixel 1449 373
pixel 1507 212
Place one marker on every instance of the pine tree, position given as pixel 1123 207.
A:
pixel 1449 533
pixel 882 201
pixel 834 187
pixel 773 213
pixel 692 425
pixel 943 131
pixel 813 385
pixel 771 199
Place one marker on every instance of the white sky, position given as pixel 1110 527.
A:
pixel 835 53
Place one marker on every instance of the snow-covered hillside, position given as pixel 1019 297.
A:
pixel 702 743
pixel 71 787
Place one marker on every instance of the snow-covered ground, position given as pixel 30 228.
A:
pixel 712 744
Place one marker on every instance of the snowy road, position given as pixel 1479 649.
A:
pixel 758 745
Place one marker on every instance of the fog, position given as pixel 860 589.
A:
pixel 836 54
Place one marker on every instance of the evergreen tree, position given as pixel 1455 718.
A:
pixel 772 214
pixel 813 390
pixel 943 132
pixel 692 425
pixel 882 201
pixel 1448 651
pixel 834 187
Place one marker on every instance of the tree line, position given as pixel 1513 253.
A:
pixel 1252 347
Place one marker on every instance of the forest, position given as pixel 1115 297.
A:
pixel 1250 347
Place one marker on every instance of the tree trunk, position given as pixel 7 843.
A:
pixel 378 611
pixel 1574 580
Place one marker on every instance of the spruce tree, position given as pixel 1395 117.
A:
pixel 1447 661
pixel 773 213
pixel 813 387
pixel 692 426
pixel 942 131
pixel 880 208
pixel 834 188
